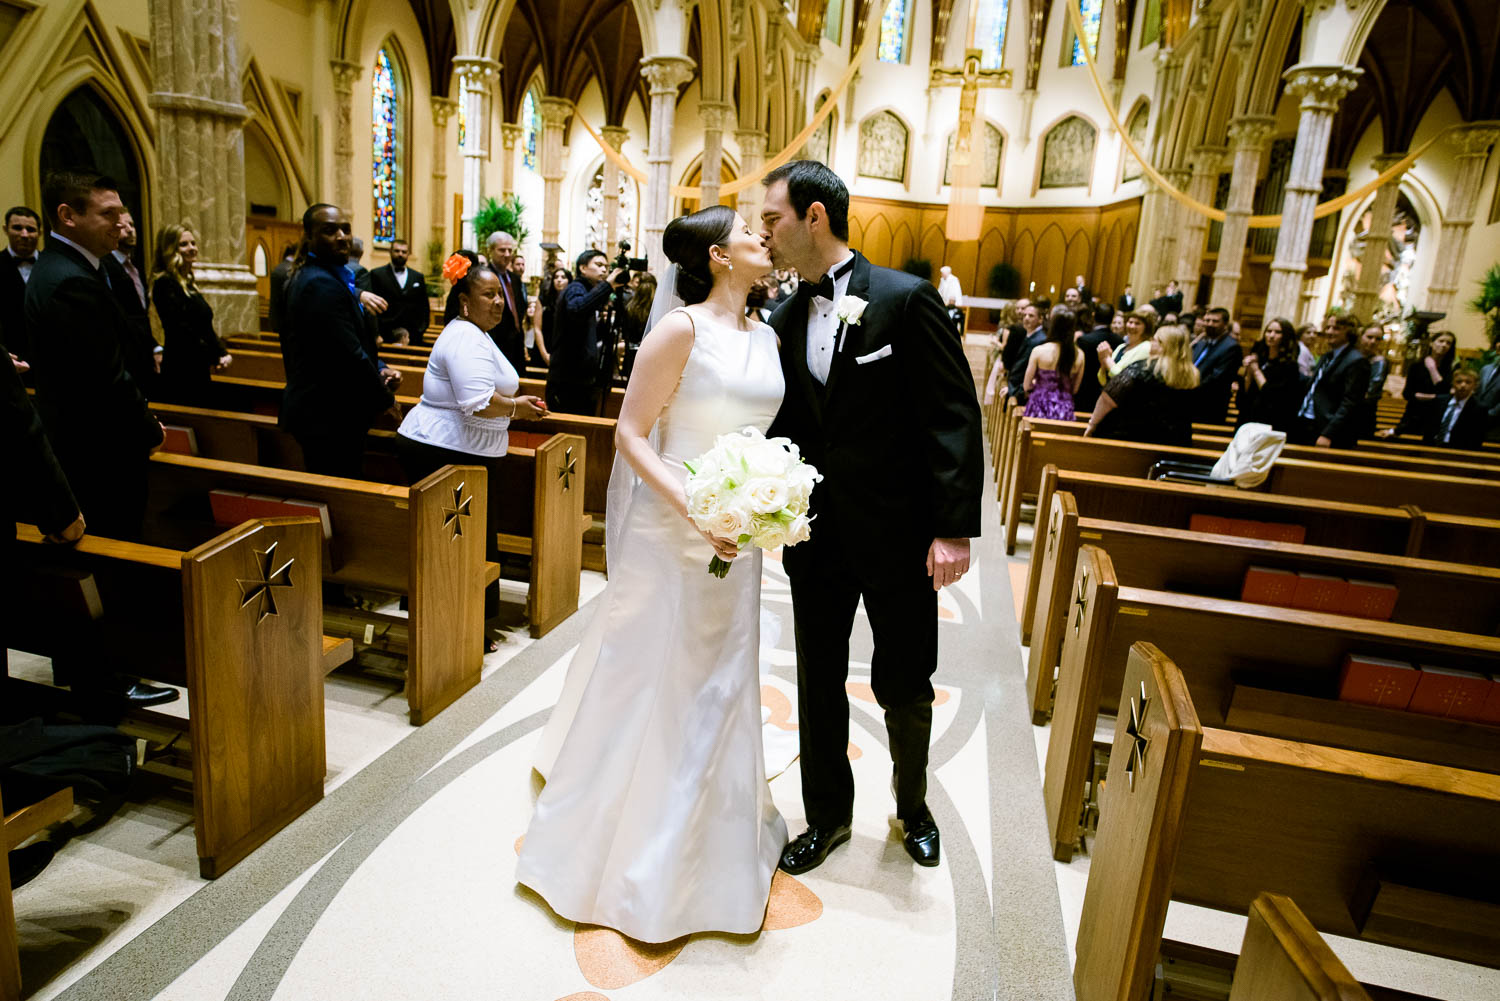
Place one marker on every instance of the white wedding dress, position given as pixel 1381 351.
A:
pixel 656 819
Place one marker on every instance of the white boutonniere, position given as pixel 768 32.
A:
pixel 850 309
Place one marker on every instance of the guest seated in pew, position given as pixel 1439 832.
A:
pixel 1273 384
pixel 1139 326
pixel 335 389
pixel 1151 401
pixel 1427 378
pixel 1330 412
pixel 1461 422
pixel 191 351
pixel 469 395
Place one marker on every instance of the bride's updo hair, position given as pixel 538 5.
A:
pixel 686 242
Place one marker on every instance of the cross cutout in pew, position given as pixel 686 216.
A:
pixel 260 590
pixel 453 516
pixel 569 468
pixel 1052 537
pixel 1135 729
pixel 1081 603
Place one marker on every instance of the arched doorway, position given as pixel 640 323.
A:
pixel 86 132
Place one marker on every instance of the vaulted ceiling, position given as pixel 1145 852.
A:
pixel 439 41
pixel 572 42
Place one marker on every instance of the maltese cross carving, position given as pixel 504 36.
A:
pixel 568 469
pixel 1135 729
pixel 1080 603
pixel 260 591
pixel 453 517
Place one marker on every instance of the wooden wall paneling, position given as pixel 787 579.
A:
pixel 934 247
pixel 991 253
pixel 1109 265
pixel 1079 259
pixel 1024 256
pixel 904 247
pixel 1047 269
pixel 878 242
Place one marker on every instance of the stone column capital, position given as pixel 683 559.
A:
pixel 615 135
pixel 1178 177
pixel 477 72
pixel 1383 162
pixel 554 110
pixel 443 109
pixel 345 75
pixel 1251 131
pixel 1321 88
pixel 664 74
pixel 510 134
pixel 752 142
pixel 716 114
pixel 1207 159
pixel 1475 139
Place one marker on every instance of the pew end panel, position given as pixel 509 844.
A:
pixel 10 953
pixel 1042 529
pixel 254 611
pixel 1044 633
pixel 1283 958
pixel 557 533
pixel 1141 824
pixel 1090 621
pixel 448 519
pixel 1010 508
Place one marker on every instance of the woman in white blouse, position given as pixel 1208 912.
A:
pixel 469 396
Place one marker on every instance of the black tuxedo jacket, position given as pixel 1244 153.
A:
pixel 1468 430
pixel 510 333
pixel 92 408
pixel 1167 304
pixel 408 303
pixel 333 381
pixel 13 308
pixel 895 432
pixel 1339 395
pixel 1126 303
pixel 140 349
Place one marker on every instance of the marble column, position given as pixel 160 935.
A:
pixel 1377 239
pixel 1144 261
pixel 443 110
pixel 664 74
pixel 478 77
pixel 510 135
pixel 200 148
pixel 554 112
pixel 752 153
pixel 715 116
pixel 1171 216
pixel 1206 161
pixel 345 75
pixel 1321 89
pixel 615 135
pixel 1473 144
pixel 1247 136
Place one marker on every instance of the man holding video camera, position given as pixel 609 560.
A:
pixel 578 372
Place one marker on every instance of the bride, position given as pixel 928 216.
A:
pixel 656 819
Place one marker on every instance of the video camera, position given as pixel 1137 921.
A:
pixel 627 263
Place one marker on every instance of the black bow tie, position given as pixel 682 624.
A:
pixel 24 260
pixel 824 286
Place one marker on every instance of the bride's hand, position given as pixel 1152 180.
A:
pixel 725 548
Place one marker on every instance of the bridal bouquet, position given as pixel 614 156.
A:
pixel 752 489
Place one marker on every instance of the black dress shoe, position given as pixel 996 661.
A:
pixel 811 847
pixel 27 863
pixel 139 695
pixel 921 842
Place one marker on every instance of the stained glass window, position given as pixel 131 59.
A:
pixel 1090 11
pixel 893 32
pixel 463 112
pixel 385 118
pixel 990 32
pixel 531 126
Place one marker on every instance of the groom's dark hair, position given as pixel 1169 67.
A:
pixel 809 181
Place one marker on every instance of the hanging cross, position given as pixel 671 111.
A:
pixel 259 590
pixel 1135 730
pixel 453 516
pixel 1080 603
pixel 568 468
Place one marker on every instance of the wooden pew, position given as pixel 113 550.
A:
pixel 238 621
pixel 417 541
pixel 17 828
pixel 1283 958
pixel 1453 596
pixel 1295 477
pixel 1389 850
pixel 1252 667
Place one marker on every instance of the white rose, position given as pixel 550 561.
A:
pixel 771 537
pixel 766 495
pixel 728 522
pixel 850 309
pixel 800 530
pixel 702 502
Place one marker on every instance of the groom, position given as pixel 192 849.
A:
pixel 883 405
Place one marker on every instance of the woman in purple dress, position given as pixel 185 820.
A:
pixel 1054 370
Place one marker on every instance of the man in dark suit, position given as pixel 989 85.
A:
pixel 142 354
pixel 405 290
pixel 1088 351
pixel 1035 335
pixel 280 275
pixel 1461 421
pixel 575 377
pixel 510 333
pixel 334 388
pixel 22 228
pixel 1168 302
pixel 95 415
pixel 1330 413
pixel 897 506
pixel 1217 356
pixel 1126 302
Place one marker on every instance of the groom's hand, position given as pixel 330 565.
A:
pixel 947 560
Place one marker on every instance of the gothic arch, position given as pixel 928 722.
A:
pixel 1142 106
pixel 111 97
pixel 403 128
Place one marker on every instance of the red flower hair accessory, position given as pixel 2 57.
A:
pixel 455 267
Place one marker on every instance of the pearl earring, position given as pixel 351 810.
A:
pixel 466 309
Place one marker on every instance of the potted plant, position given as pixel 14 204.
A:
pixel 496 216
pixel 1487 305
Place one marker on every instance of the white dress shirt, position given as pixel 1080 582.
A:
pixel 823 326
pixel 464 370
pixel 400 277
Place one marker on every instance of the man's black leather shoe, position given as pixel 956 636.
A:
pixel 921 842
pixel 811 847
pixel 139 695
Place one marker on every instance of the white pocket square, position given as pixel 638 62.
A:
pixel 884 352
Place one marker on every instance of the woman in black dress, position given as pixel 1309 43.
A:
pixel 1151 400
pixel 1272 387
pixel 191 351
pixel 1427 378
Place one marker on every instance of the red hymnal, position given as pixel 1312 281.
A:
pixel 1447 691
pixel 228 506
pixel 1370 599
pixel 1269 586
pixel 262 506
pixel 179 440
pixel 1276 531
pixel 1209 523
pixel 1318 592
pixel 1375 681
pixel 1490 711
